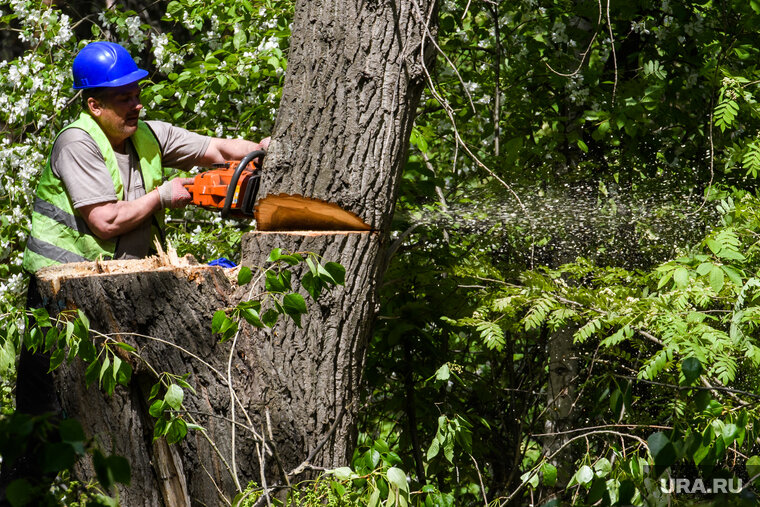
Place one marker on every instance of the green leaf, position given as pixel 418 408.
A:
pixel 341 473
pixel 154 390
pixel 530 478
pixel 325 275
pixel 662 450
pixel 174 396
pixel 681 277
pixel 218 321
pixel 705 268
pixel 549 473
pixel 104 368
pixel 71 431
pixel 19 493
pixel 397 477
pixel 337 272
pixel 433 450
pixel 119 469
pixel 294 303
pixel 58 457
pixel 56 358
pixel 35 339
pixel 312 284
pixel 124 374
pixel 157 408
pixel 733 275
pixel 252 317
pixel 716 279
pixel 269 318
pixel 274 283
pixel 443 373
pixel 239 39
pixel 602 467
pixel 51 338
pixel 244 275
pixel 173 7
pixel 176 431
pixel 116 366
pixel 584 475
pixel 41 317
pixel 85 323
pixel 92 373
pixel 753 468
pixel 274 255
pixel 691 368
pixel 374 498
pixel 125 346
pixel 714 246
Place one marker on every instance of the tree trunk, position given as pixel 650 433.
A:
pixel 354 78
pixel 353 83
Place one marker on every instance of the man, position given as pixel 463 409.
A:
pixel 103 193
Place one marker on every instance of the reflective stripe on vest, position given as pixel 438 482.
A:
pixel 59 233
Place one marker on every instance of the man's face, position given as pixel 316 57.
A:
pixel 117 111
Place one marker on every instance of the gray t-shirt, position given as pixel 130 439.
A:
pixel 77 160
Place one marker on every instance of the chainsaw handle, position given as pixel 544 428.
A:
pixel 236 176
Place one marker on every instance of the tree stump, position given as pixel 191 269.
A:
pixel 295 387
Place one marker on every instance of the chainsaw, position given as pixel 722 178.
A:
pixel 231 186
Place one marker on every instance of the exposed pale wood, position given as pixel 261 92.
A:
pixel 293 212
pixel 171 474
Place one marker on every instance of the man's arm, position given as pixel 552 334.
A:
pixel 221 150
pixel 110 219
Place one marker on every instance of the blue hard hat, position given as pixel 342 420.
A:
pixel 104 64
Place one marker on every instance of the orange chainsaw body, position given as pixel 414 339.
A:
pixel 211 188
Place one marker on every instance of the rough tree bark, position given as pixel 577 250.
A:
pixel 354 79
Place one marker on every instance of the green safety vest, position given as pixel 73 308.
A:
pixel 59 234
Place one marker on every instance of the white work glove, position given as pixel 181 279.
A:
pixel 173 193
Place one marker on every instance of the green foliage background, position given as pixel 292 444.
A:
pixel 577 168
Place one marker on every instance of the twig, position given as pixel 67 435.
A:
pixel 585 53
pixel 614 54
pixel 194 356
pixel 480 478
pixel 457 136
pixel 192 420
pixel 604 426
pixel 262 473
pixel 306 463
pixel 233 396
pixel 232 411
pixel 218 490
pixel 706 386
pixel 536 468
pixel 429 35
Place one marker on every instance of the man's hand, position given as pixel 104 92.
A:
pixel 221 150
pixel 174 194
